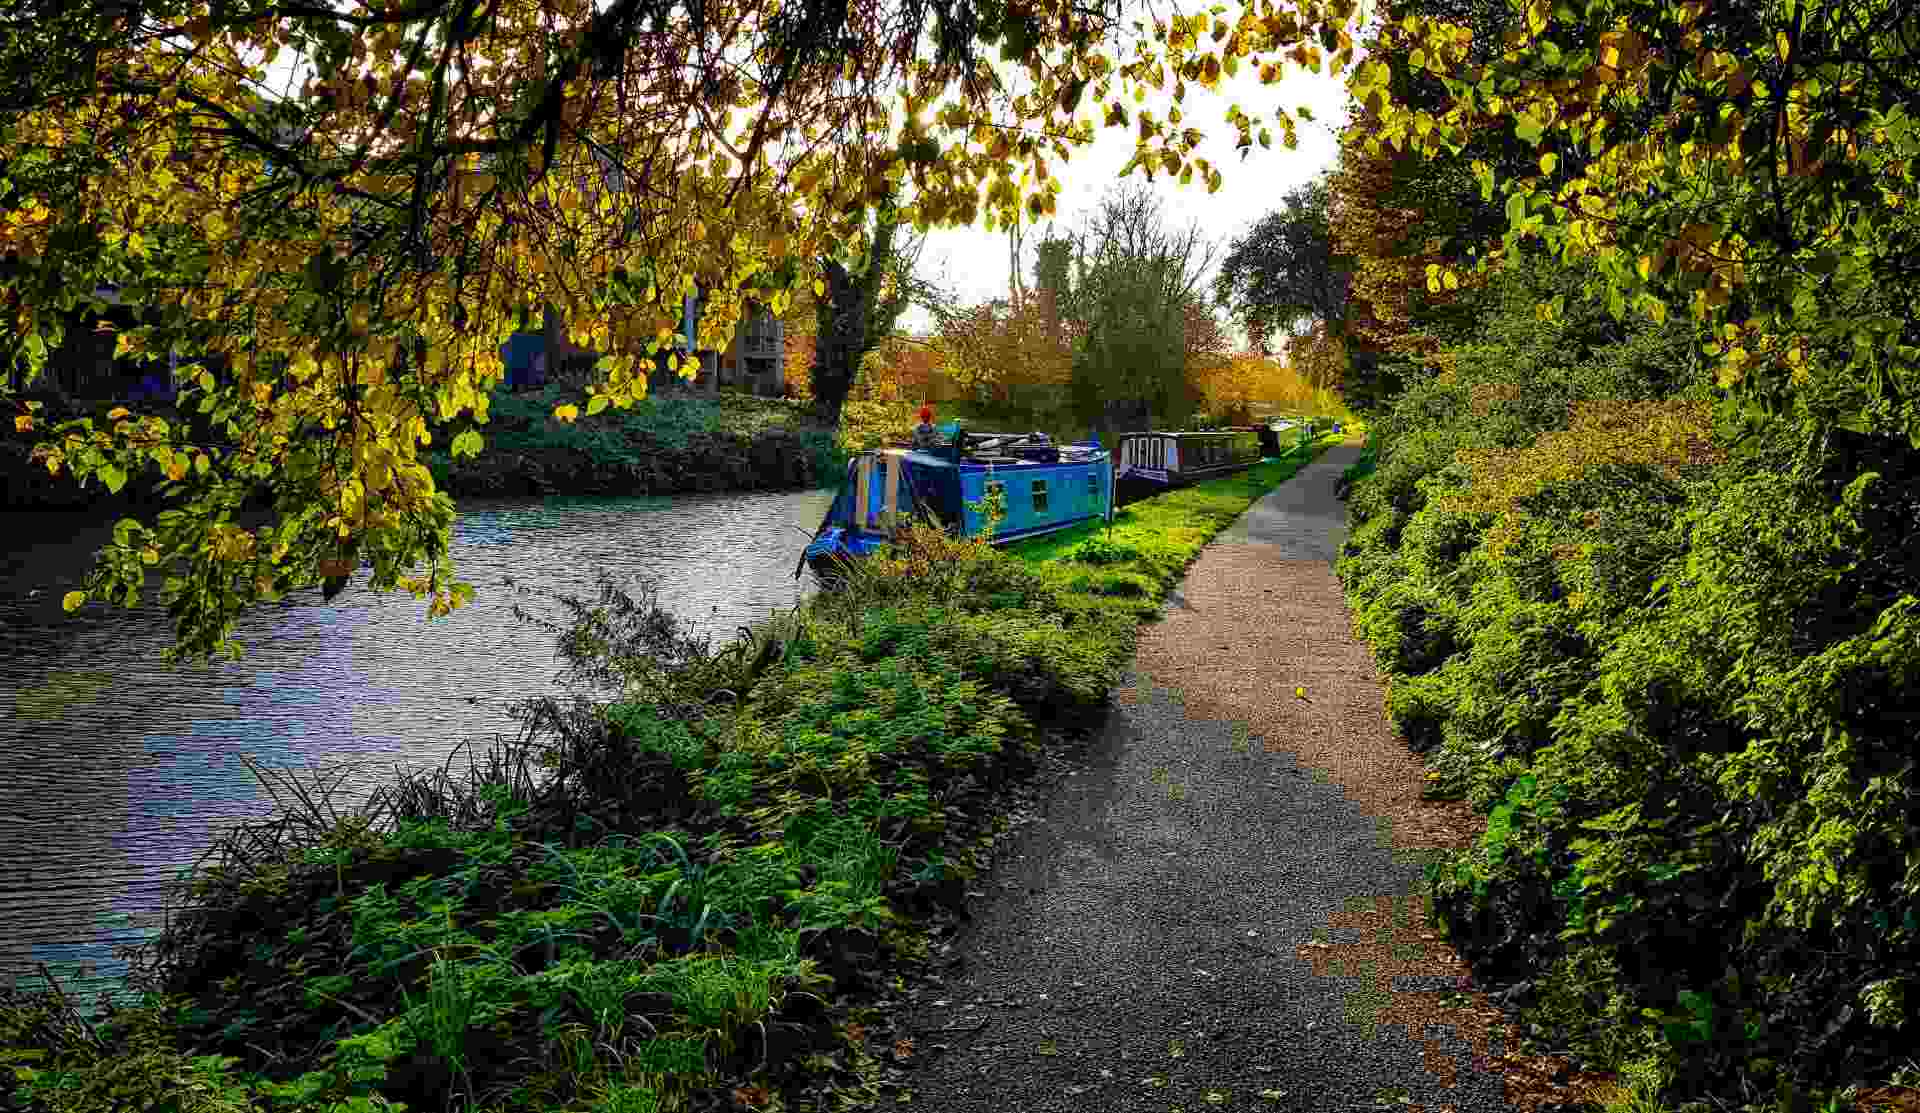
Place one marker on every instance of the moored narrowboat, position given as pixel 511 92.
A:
pixel 1046 487
pixel 1146 464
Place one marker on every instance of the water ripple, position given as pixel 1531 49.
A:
pixel 117 770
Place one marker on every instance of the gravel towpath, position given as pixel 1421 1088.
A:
pixel 1221 908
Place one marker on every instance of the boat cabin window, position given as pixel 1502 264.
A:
pixel 1093 489
pixel 1039 496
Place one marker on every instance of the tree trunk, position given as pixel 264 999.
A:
pixel 840 341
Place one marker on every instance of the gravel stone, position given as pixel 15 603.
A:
pixel 1225 907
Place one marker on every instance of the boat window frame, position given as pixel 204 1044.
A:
pixel 1037 494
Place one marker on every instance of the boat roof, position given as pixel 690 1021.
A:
pixel 1192 432
pixel 1070 454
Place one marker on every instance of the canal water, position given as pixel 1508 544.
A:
pixel 117 771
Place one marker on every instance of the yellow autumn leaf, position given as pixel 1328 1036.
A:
pixel 567 412
pixel 1299 693
pixel 23 424
pixel 117 413
pixel 72 600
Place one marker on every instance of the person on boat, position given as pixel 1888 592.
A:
pixel 925 437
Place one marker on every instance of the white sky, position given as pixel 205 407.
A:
pixel 972 263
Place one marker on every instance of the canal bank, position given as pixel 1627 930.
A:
pixel 660 446
pixel 117 770
pixel 799 810
pixel 664 445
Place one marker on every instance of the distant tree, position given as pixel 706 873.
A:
pixel 1052 280
pixel 1285 269
pixel 1133 360
pixel 1134 280
pixel 995 346
pixel 802 320
pixel 899 369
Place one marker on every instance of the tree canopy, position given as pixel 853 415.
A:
pixel 356 249
pixel 1751 167
pixel 1284 269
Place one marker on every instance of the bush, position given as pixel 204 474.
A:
pixel 1412 628
pixel 1673 675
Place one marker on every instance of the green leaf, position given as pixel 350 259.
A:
pixel 114 477
pixel 595 404
pixel 1516 209
pixel 466 443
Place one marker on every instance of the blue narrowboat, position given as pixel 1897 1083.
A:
pixel 1046 487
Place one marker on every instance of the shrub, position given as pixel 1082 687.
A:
pixel 1099 550
pixel 1412 627
pixel 1418 707
pixel 1674 676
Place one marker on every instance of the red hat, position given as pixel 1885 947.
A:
pixel 926 413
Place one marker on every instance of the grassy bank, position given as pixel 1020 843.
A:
pixel 661 445
pixel 684 888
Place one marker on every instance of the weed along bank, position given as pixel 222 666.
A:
pixel 691 885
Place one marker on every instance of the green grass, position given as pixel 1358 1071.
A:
pixel 705 855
